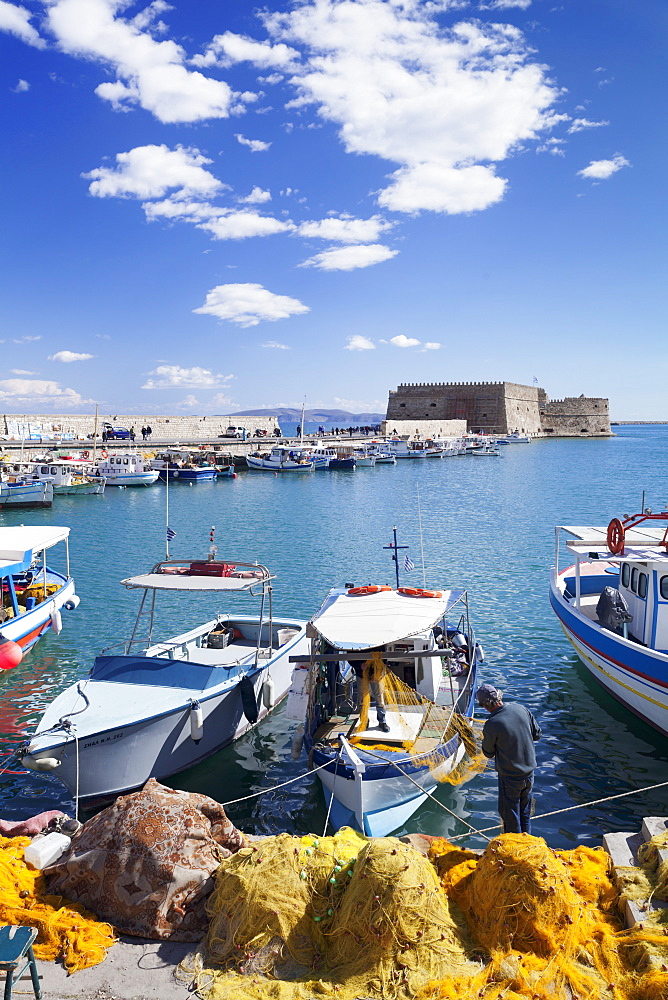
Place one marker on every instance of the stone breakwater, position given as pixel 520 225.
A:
pixel 165 427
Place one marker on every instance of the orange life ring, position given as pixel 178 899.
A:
pixel 104 454
pixel 615 536
pixel 417 592
pixel 359 591
pixel 85 454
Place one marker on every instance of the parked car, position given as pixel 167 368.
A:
pixel 121 433
pixel 235 432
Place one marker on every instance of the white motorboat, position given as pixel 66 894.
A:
pixel 67 479
pixel 152 709
pixel 406 449
pixel 516 438
pixel 33 595
pixel 126 469
pixel 364 458
pixel 19 491
pixel 612 604
pixel 375 779
pixel 281 458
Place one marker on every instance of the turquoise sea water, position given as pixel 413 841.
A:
pixel 487 526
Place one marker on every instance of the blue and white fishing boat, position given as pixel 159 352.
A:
pixel 612 603
pixel 125 469
pixel 185 464
pixel 281 458
pixel 424 657
pixel 152 709
pixel 33 595
pixel 19 491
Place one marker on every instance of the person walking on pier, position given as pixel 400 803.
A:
pixel 508 737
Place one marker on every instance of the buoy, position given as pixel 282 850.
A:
pixel 56 621
pixel 40 763
pixel 297 742
pixel 73 602
pixel 248 699
pixel 11 654
pixel 196 722
pixel 234 475
pixel 268 696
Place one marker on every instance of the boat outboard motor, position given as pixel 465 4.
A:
pixel 459 641
pixel 612 610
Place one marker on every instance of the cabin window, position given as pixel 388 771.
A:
pixel 664 588
pixel 125 461
pixel 642 585
pixel 53 470
pixel 634 579
pixel 626 574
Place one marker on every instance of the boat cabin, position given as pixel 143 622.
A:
pixel 125 464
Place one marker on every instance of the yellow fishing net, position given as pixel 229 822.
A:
pixel 548 922
pixel 334 916
pixel 65 930
pixel 437 723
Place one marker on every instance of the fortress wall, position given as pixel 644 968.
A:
pixel 576 416
pixel 167 427
pixel 521 409
pixel 423 429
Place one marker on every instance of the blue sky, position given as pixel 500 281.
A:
pixel 211 207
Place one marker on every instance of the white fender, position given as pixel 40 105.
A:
pixel 268 693
pixel 56 621
pixel 73 602
pixel 196 722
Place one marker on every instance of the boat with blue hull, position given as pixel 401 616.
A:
pixel 612 603
pixel 184 464
pixel 33 595
pixel 153 709
pixel 420 648
pixel 19 491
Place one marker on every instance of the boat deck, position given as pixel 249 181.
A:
pixel 239 651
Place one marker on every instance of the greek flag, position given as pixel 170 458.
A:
pixel 535 380
pixel 170 534
pixel 408 563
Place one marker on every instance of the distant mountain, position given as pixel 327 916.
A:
pixel 316 416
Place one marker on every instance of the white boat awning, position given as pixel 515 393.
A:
pixel 370 620
pixel 167 581
pixel 640 543
pixel 18 544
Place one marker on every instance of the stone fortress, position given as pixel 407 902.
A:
pixel 450 408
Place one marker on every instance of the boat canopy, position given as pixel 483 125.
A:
pixel 166 581
pixel 370 620
pixel 642 543
pixel 18 544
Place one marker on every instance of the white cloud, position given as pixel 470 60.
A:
pixel 431 345
pixel 20 371
pixel 173 376
pixel 359 405
pixel 249 304
pixel 403 341
pixel 255 145
pixel 553 146
pixel 257 197
pixel 350 257
pixel 152 171
pixel 227 49
pixel 505 4
pixel 21 87
pixel 445 104
pixel 220 399
pixel 580 124
pixel 16 391
pixel 68 356
pixel 222 223
pixel 600 170
pixel 26 340
pixel 16 21
pixel 359 343
pixel 189 403
pixel 149 72
pixel 345 229
pixel 273 344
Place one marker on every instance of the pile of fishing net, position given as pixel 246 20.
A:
pixel 548 922
pixel 65 930
pixel 341 916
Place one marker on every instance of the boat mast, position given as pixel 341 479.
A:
pixel 301 426
pixel 424 578
pixel 95 436
pixel 167 510
pixel 394 547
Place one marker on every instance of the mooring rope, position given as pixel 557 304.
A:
pixel 274 788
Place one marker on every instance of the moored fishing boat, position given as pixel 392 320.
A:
pixel 67 479
pixel 185 464
pixel 152 709
pixel 612 603
pixel 126 469
pixel 19 491
pixel 423 663
pixel 32 594
pixel 281 458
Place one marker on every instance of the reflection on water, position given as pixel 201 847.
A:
pixel 488 526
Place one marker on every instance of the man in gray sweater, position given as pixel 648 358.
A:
pixel 509 736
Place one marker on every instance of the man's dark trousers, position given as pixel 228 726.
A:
pixel 515 803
